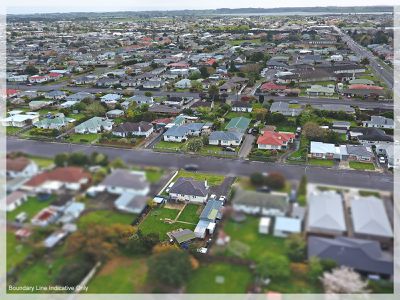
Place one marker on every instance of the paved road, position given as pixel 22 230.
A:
pixel 304 100
pixel 227 167
pixel 380 69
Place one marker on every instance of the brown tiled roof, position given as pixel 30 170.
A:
pixel 17 164
pixel 65 174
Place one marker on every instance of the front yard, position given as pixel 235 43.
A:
pixel 362 165
pixel 212 179
pixel 170 146
pixel 78 138
pixel 321 162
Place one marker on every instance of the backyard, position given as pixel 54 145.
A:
pixel 31 207
pixel 16 251
pixel 105 217
pixel 217 278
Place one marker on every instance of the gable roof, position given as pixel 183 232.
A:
pixel 369 217
pixel 182 236
pixel 126 179
pixel 362 255
pixel 259 199
pixel 325 212
pixel 189 186
pixel 63 174
pixel 212 210
pixel 225 136
pixel 275 138
pixel 133 127
pixel 17 164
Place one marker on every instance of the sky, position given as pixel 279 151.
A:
pixel 32 6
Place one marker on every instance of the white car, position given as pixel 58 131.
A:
pixel 213 196
pixel 222 198
pixel 382 160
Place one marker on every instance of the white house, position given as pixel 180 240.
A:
pixel 225 138
pixel 15 200
pixel 183 84
pixel 263 226
pixel 94 125
pixel 190 190
pixel 21 167
pixel 285 226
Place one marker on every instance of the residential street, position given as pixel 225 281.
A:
pixel 228 167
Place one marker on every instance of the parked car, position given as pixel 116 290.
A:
pixel 264 189
pixel 191 167
pixel 230 149
pixel 382 160
pixel 222 198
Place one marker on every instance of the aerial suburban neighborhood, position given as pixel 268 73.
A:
pixel 201 152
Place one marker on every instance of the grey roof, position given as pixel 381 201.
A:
pixel 211 211
pixel 335 107
pixel 141 99
pixel 79 96
pixel 133 127
pixel 189 186
pixel 126 179
pixel 361 255
pixel 372 134
pixel 369 217
pixel 325 212
pixel 283 108
pixel 131 203
pixel 259 199
pixel 182 236
pixel 359 150
pixel 225 136
pixel 177 131
pixel 380 121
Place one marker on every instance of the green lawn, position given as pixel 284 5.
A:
pixel 212 179
pixel 191 213
pixel 260 245
pixel 154 222
pixel 154 175
pixel 16 251
pixel 11 130
pixel 162 145
pixel 321 162
pixel 105 217
pixel 239 42
pixel 42 162
pixel 361 165
pixel 83 138
pixel 234 279
pixel 31 207
pixel 285 128
pixel 120 275
pixel 234 114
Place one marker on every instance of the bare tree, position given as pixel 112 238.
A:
pixel 343 280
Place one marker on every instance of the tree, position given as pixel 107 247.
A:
pixel 73 274
pixel 315 269
pixel 343 280
pixel 204 72
pixel 195 75
pixel 275 267
pixel 302 190
pixel 195 145
pixel 31 70
pixel 275 181
pixel 213 92
pixel 257 179
pixel 78 159
pixel 260 114
pixel 95 109
pixel 365 61
pixel 61 159
pixel 171 268
pixel 312 131
pixel 148 94
pixel 295 246
pixel 118 163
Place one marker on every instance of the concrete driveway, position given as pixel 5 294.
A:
pixel 247 145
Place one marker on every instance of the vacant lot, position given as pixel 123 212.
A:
pixel 105 217
pixel 16 250
pixel 158 221
pixel 321 162
pixel 219 278
pixel 212 179
pixel 120 275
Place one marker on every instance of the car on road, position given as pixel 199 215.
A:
pixel 293 102
pixel 191 167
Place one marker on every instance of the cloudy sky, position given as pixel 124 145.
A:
pixel 32 6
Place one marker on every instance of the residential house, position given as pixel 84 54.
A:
pixel 327 151
pixel 141 99
pixel 57 122
pixel 15 199
pixel 259 203
pixel 78 97
pixel 55 95
pixel 20 119
pixel 71 178
pixel 370 136
pixel 360 153
pixel 94 125
pixel 241 106
pixel 239 124
pixel 225 138
pixel 45 217
pixel 271 88
pixel 335 107
pixel 210 215
pixel 190 190
pixel 128 129
pixel 364 256
pixel 183 84
pixel 379 122
pixel 21 167
pixel 326 214
pixel 110 98
pixel 284 109
pixel 270 140
pixel 181 133
pixel 114 113
pixel 132 188
pixel 369 218
pixel 319 90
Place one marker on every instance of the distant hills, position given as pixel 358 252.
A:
pixel 209 12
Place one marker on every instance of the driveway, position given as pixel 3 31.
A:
pixel 246 146
pixel 223 188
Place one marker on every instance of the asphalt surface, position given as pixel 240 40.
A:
pixel 227 167
pixel 383 71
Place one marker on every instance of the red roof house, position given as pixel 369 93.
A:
pixel 272 87
pixel 275 140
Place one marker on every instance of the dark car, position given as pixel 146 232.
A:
pixel 191 167
pixel 264 189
